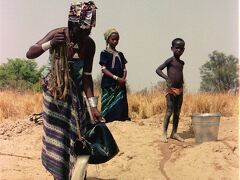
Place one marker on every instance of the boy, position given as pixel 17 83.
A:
pixel 174 79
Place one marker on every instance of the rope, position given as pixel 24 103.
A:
pixel 59 72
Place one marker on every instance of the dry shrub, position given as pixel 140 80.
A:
pixel 150 103
pixel 145 105
pixel 224 103
pixel 15 105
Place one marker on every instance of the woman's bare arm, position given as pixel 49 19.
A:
pixel 55 37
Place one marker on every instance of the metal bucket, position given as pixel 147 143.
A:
pixel 205 126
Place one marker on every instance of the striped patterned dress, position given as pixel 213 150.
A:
pixel 113 99
pixel 60 130
pixel 114 104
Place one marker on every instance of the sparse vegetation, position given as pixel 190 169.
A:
pixel 152 102
pixel 15 105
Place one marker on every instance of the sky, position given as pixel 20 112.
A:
pixel 146 29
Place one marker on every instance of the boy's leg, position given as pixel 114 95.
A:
pixel 176 112
pixel 168 114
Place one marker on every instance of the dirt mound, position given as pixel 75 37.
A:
pixel 142 156
pixel 11 129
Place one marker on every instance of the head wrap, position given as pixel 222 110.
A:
pixel 83 13
pixel 108 33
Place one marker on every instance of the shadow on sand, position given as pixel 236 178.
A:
pixel 187 134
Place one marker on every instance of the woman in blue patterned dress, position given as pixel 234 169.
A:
pixel 113 84
pixel 65 78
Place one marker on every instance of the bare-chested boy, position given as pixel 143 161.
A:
pixel 175 82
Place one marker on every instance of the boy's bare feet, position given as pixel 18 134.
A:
pixel 164 138
pixel 177 137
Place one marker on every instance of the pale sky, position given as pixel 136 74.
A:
pixel 146 29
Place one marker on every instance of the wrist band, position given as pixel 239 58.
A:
pixel 103 67
pixel 115 77
pixel 87 73
pixel 93 101
pixel 46 45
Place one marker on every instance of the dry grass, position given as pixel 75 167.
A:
pixel 15 105
pixel 153 103
pixel 226 104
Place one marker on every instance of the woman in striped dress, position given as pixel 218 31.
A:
pixel 65 78
pixel 113 84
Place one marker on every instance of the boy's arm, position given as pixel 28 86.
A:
pixel 164 76
pixel 160 72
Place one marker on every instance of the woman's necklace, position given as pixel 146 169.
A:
pixel 70 45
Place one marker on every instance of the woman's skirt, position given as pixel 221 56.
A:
pixel 59 134
pixel 114 104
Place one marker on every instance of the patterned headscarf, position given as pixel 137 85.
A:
pixel 83 13
pixel 108 33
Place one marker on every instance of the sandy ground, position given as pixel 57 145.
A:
pixel 142 156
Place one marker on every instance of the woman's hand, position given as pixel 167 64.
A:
pixel 58 38
pixel 121 82
pixel 97 115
